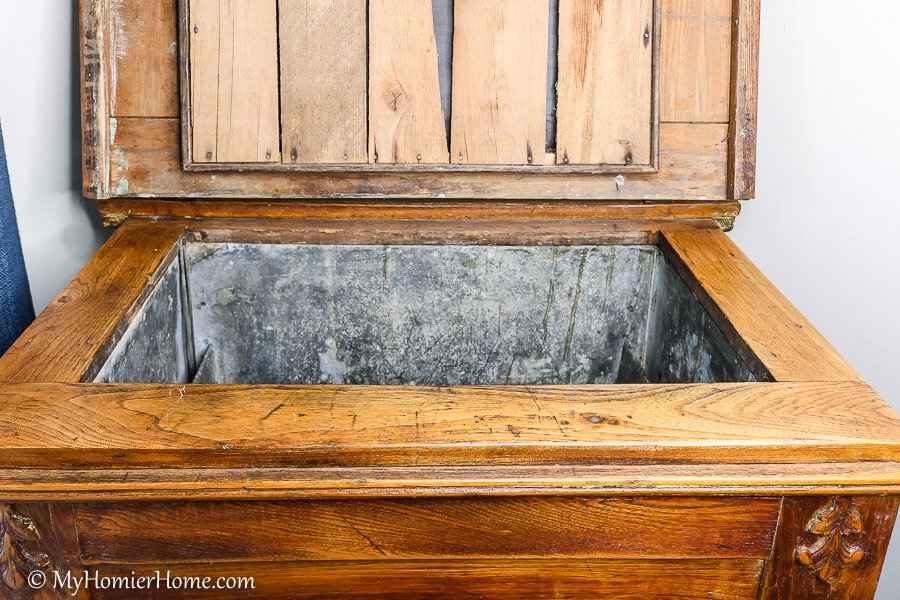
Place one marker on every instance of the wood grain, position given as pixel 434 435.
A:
pixel 143 38
pixel 448 528
pixel 146 163
pixel 234 80
pixel 606 480
pixel 399 210
pixel 406 121
pixel 323 81
pixel 157 426
pixel 786 578
pixel 695 68
pixel 605 83
pixel 499 111
pixel 765 328
pixel 68 341
pixel 497 580
pixel 744 100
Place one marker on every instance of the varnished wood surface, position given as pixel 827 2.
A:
pixel 102 426
pixel 757 319
pixel 147 163
pixel 622 480
pixel 492 580
pixel 69 338
pixel 438 528
pixel 425 211
pixel 410 232
pixel 52 546
pixel 845 578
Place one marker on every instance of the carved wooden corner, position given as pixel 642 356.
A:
pixel 836 527
pixel 18 558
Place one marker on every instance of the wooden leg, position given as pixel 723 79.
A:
pixel 38 541
pixel 829 548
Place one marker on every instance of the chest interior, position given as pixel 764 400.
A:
pixel 422 315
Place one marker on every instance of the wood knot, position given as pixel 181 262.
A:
pixel 394 99
pixel 600 419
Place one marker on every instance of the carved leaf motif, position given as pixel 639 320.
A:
pixel 16 560
pixel 833 552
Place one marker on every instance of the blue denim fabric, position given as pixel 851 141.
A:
pixel 16 309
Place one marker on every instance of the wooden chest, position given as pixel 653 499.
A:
pixel 417 299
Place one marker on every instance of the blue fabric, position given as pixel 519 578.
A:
pixel 16 309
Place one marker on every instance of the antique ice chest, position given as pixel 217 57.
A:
pixel 417 299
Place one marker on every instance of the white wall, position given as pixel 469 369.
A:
pixel 39 113
pixel 823 226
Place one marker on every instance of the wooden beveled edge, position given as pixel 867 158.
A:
pixel 90 485
pixel 118 210
pixel 109 426
pixel 744 100
pixel 771 335
pixel 82 324
pixel 95 111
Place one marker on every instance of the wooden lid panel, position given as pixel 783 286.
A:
pixel 642 103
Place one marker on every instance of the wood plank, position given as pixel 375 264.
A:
pixel 494 580
pixel 95 134
pixel 695 67
pixel 133 425
pixel 412 528
pixel 607 481
pixel 147 163
pixel 323 81
pixel 744 100
pixel 406 121
pixel 786 578
pixel 605 82
pixel 500 82
pixel 68 341
pixel 764 327
pixel 144 42
pixel 234 80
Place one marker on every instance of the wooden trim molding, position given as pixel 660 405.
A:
pixel 95 141
pixel 744 100
pixel 435 210
pixel 633 480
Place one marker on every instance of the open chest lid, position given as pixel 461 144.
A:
pixel 632 103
